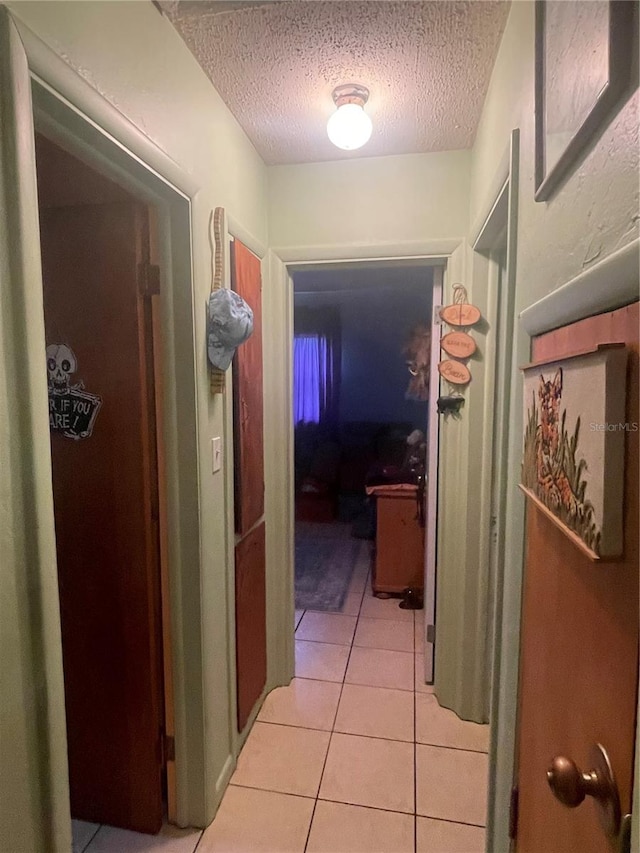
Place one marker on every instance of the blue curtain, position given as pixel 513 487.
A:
pixel 310 363
pixel 316 365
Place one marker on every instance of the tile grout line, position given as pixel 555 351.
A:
pixel 351 734
pixel 357 683
pixel 338 802
pixel 246 787
pixel 343 645
pixel 335 717
pixel 352 646
pixel 454 822
pixel 85 849
pixel 322 642
pixel 454 748
pixel 202 832
pixel 356 805
pixel 383 648
pixel 386 618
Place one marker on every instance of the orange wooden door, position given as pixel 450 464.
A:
pixel 248 405
pixel 250 556
pixel 251 646
pixel 579 658
pixel 106 514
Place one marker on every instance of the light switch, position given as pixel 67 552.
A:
pixel 216 454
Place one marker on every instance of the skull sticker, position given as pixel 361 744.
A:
pixel 61 364
pixel 72 410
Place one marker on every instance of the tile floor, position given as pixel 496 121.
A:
pixel 354 756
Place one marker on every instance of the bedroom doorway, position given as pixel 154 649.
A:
pixel 361 422
pixel 102 325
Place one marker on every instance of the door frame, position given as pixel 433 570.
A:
pixel 469 593
pixel 70 112
pixel 494 241
pixel 279 431
pixel 433 453
pixel 490 239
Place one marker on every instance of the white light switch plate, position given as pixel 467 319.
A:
pixel 216 454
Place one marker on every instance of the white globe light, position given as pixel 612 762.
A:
pixel 349 127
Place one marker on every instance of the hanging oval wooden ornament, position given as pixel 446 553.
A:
pixel 458 344
pixel 455 372
pixel 461 314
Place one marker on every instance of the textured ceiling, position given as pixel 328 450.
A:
pixel 426 64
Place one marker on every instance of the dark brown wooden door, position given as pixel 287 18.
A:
pixel 579 664
pixel 248 404
pixel 105 495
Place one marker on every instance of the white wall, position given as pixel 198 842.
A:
pixel 594 212
pixel 401 201
pixel 133 57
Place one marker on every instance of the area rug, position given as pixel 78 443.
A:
pixel 325 557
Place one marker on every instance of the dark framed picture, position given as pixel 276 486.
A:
pixel 583 54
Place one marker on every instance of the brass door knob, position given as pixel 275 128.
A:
pixel 570 785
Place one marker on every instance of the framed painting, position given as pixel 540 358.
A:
pixel 574 440
pixel 583 56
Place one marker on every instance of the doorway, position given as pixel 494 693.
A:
pixel 100 290
pixel 361 420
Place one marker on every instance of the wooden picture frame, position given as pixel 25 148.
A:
pixel 583 63
pixel 574 445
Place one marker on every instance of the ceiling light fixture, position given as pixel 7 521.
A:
pixel 350 127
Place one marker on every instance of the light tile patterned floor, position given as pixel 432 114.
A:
pixel 354 756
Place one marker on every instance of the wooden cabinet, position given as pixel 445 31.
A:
pixel 399 552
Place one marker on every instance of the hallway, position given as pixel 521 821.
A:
pixel 354 756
